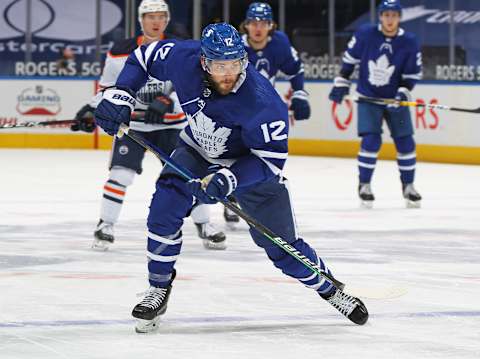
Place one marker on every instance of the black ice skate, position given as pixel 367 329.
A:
pixel 350 306
pixel 149 310
pixel 103 236
pixel 366 195
pixel 212 238
pixel 412 197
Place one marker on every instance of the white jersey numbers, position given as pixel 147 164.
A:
pixel 273 131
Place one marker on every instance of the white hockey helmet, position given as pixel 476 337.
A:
pixel 147 6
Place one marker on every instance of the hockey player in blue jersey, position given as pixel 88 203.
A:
pixel 235 141
pixel 270 51
pixel 390 65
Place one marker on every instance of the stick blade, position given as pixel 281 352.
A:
pixel 468 110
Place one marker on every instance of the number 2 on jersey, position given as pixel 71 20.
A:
pixel 273 131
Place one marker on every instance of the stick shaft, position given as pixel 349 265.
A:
pixel 391 101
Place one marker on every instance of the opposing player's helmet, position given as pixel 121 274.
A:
pixel 222 41
pixel 259 11
pixel 392 5
pixel 147 6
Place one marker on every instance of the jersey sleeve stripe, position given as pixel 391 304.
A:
pixel 349 59
pixel 417 76
pixel 270 154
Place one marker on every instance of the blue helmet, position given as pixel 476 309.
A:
pixel 392 5
pixel 259 11
pixel 222 42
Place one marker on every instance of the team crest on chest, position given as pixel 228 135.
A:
pixel 213 141
pixel 386 46
pixel 380 71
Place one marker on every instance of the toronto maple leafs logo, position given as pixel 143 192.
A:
pixel 380 71
pixel 213 141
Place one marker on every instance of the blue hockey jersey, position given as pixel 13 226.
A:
pixel 246 130
pixel 278 55
pixel 385 63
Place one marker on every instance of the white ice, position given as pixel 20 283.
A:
pixel 59 299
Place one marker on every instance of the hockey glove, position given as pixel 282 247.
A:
pixel 114 109
pixel 403 94
pixel 341 88
pixel 84 120
pixel 300 105
pixel 158 108
pixel 213 187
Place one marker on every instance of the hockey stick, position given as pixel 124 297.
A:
pixel 37 124
pixel 187 175
pixel 391 101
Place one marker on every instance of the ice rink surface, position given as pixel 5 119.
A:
pixel 59 299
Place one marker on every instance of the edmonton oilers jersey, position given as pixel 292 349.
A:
pixel 386 63
pixel 278 55
pixel 247 128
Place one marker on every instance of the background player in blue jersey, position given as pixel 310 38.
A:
pixel 160 119
pixel 236 141
pixel 270 51
pixel 390 65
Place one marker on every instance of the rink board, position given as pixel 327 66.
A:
pixel 442 136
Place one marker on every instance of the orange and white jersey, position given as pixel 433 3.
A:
pixel 114 63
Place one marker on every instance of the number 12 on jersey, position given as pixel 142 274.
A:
pixel 273 131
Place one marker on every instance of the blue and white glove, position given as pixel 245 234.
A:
pixel 341 88
pixel 213 187
pixel 403 94
pixel 300 105
pixel 115 108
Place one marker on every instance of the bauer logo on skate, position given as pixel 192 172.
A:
pixel 38 101
pixel 210 139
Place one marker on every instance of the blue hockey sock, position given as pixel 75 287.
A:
pixel 293 268
pixel 162 253
pixel 367 156
pixel 406 158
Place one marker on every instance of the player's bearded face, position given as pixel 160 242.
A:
pixel 224 74
pixel 258 30
pixel 390 21
pixel 154 24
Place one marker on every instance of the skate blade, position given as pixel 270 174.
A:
pixel 216 246
pixel 147 326
pixel 413 204
pixel 100 246
pixel 366 204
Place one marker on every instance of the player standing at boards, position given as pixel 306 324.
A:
pixel 390 65
pixel 161 120
pixel 236 141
